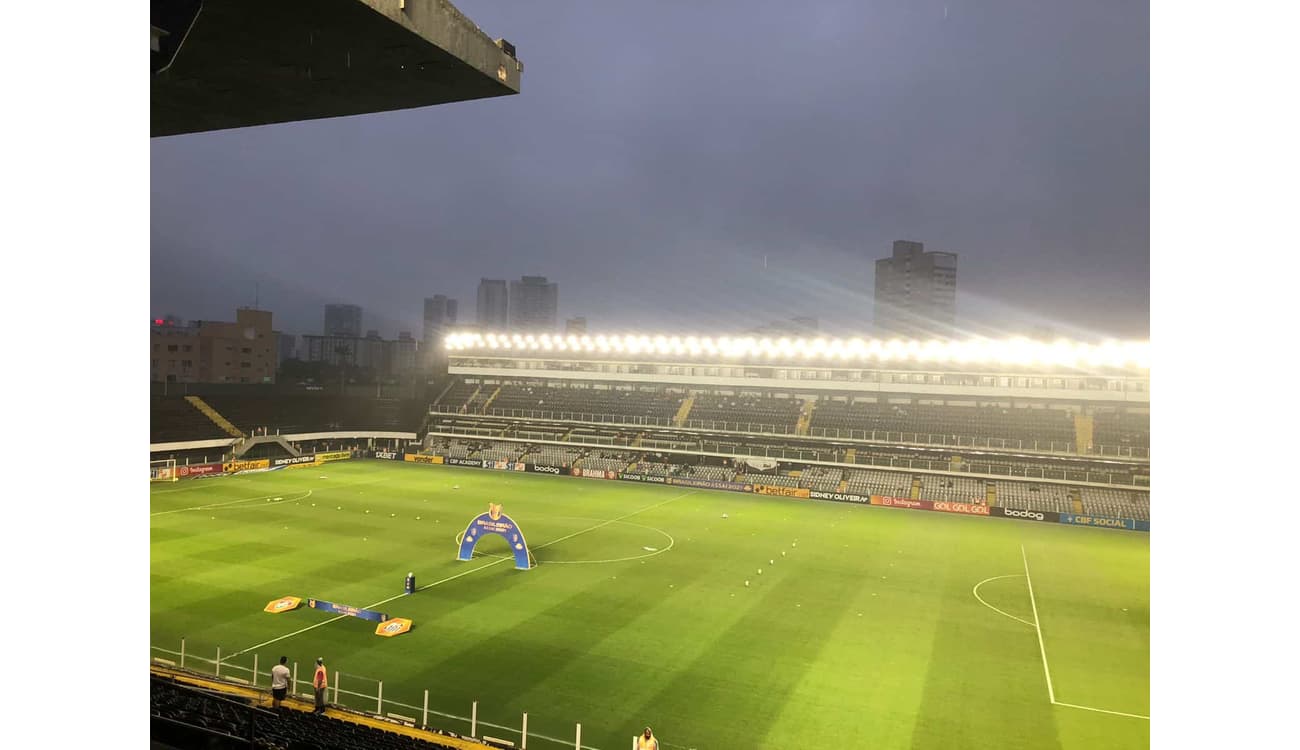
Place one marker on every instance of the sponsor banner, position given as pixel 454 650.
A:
pixel 643 478
pixel 843 497
pixel 1102 521
pixel 1049 516
pixel 453 461
pixel 503 465
pixel 592 473
pixel 901 502
pixel 970 509
pixel 711 484
pixel 780 491
pixel 334 456
pixel 198 470
pixel 388 455
pixel 293 461
pixel 230 467
pixel 283 604
pixel 350 611
pixel 395 626
pixel 416 458
pixel 1140 525
pixel 541 469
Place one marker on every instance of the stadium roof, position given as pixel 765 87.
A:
pixel 238 63
pixel 1129 355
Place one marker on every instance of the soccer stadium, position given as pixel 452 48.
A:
pixel 738 541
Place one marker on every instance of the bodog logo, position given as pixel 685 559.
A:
pixel 547 469
pixel 1030 514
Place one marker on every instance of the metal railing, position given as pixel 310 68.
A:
pixel 361 694
pixel 1064 448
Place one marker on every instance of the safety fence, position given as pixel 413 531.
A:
pixel 364 694
pixel 1060 447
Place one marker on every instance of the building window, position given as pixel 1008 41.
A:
pixel 171 347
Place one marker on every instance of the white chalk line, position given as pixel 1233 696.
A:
pixel 1101 710
pixel 454 577
pixel 976 592
pixel 1051 692
pixel 228 503
pixel 460 535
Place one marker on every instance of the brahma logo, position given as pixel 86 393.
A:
pixel 395 626
pixel 283 604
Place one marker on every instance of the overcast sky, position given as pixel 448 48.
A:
pixel 659 152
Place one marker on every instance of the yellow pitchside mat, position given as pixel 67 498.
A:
pixel 283 604
pixel 395 626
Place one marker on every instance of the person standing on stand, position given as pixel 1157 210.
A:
pixel 279 682
pixel 320 682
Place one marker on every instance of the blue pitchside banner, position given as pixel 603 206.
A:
pixel 344 609
pixel 495 522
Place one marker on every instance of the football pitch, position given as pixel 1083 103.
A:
pixel 867 626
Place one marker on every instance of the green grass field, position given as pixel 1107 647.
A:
pixel 866 632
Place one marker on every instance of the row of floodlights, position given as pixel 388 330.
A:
pixel 1017 351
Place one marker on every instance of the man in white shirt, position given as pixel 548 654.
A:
pixel 279 682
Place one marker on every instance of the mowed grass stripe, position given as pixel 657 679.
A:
pixel 663 640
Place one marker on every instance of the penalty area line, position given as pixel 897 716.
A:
pixel 1102 710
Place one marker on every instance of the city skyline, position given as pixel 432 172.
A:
pixel 1016 137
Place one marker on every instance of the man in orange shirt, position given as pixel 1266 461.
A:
pixel 647 741
pixel 320 682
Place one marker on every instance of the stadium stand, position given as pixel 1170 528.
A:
pixel 458 395
pixel 173 419
pixel 1030 496
pixel 1041 425
pixel 582 403
pixel 746 412
pixel 550 455
pixel 1116 503
pixel 822 478
pixel 1121 429
pixel 187 716
pixel 779 480
pixel 290 413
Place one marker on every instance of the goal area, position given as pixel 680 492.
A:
pixel 163 470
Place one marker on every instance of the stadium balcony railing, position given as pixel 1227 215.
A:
pixel 1018 470
pixel 362 699
pixel 1059 447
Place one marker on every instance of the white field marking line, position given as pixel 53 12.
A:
pixel 616 520
pixel 1051 694
pixel 671 542
pixel 1103 711
pixel 452 578
pixel 209 506
pixel 976 592
pixel 368 606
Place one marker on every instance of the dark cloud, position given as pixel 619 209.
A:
pixel 660 151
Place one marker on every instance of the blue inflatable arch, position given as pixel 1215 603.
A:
pixel 495 522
